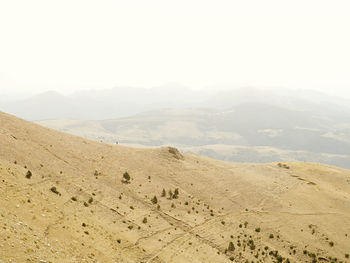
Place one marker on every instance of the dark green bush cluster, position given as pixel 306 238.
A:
pixel 172 195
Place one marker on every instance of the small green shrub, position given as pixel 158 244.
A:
pixel 154 200
pixel 126 178
pixel 29 174
pixel 171 194
pixel 163 193
pixel 176 193
pixel 231 246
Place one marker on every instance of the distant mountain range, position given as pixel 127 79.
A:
pixel 103 104
pixel 127 101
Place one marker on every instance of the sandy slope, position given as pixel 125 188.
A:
pixel 306 207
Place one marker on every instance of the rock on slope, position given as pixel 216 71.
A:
pixel 73 206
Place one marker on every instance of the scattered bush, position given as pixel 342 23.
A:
pixel 126 178
pixel 74 198
pixel 231 246
pixel 163 193
pixel 176 193
pixel 251 244
pixel 144 220
pixel 171 194
pixel 154 200
pixel 257 229
pixel 29 174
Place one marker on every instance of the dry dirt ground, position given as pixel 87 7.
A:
pixel 73 205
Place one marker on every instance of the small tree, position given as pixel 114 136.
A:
pixel 176 193
pixel 171 194
pixel 231 246
pixel 126 178
pixel 154 200
pixel 144 220
pixel 163 193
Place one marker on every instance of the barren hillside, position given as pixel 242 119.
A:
pixel 65 199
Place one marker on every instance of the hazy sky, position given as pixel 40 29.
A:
pixel 76 44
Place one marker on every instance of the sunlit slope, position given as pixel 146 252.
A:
pixel 75 207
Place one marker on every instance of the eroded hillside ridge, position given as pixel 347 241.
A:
pixel 67 199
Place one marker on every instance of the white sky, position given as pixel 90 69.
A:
pixel 74 44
